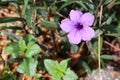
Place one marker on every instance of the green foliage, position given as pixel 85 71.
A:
pixel 42 16
pixel 70 75
pixel 27 46
pixel 92 50
pixel 8 75
pixel 32 49
pixel 54 69
pixel 86 67
pixel 11 19
pixel 29 38
pixel 13 49
pixel 68 2
pixel 18 47
pixel 96 44
pixel 74 48
pixel 28 66
pixel 49 24
pixel 60 70
pixel 37 76
pixel 25 6
pixel 22 46
pixel 11 35
pixel 108 57
pixel 109 20
pixel 29 18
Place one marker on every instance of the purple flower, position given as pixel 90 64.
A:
pixel 78 26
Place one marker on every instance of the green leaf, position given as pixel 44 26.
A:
pixel 110 19
pixel 63 65
pixel 8 75
pixel 83 6
pixel 28 38
pixel 107 57
pixel 92 50
pixel 29 18
pixel 28 66
pixel 70 75
pixel 25 6
pixel 41 11
pixel 68 2
pixel 12 49
pixel 96 44
pixel 86 1
pixel 38 75
pixel 117 3
pixel 102 63
pixel 6 2
pixel 11 35
pixel 113 34
pixel 74 48
pixel 86 67
pixel 58 76
pixel 111 28
pixel 49 24
pixel 32 49
pixel 26 2
pixel 106 2
pixel 54 69
pixel 51 66
pixel 22 46
pixel 101 43
pixel 86 5
pixel 97 32
pixel 11 19
pixel 11 27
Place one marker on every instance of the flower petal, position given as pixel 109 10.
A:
pixel 67 25
pixel 87 19
pixel 75 15
pixel 74 36
pixel 87 33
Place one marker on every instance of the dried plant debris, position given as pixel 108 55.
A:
pixel 104 74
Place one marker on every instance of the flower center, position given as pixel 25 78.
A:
pixel 79 26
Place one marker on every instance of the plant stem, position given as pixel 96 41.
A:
pixel 100 18
pixel 99 66
pixel 111 45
